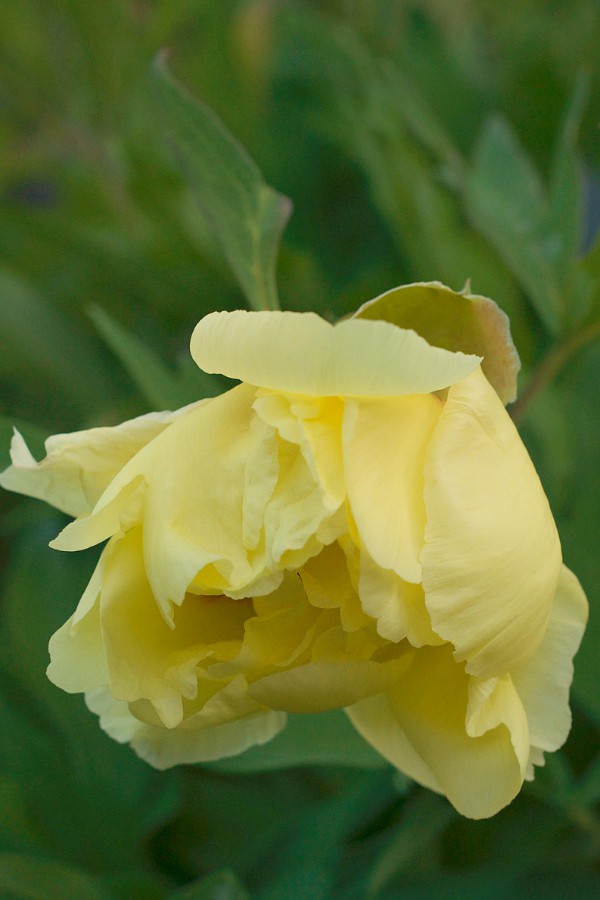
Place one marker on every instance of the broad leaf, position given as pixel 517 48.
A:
pixel 454 321
pixel 246 215
pixel 505 200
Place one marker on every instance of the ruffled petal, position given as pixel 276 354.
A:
pixel 543 682
pixel 146 658
pixel 421 729
pixel 328 585
pixel 79 466
pixel 300 353
pixel 315 424
pixel 198 742
pixel 492 557
pixel 397 605
pixel 384 455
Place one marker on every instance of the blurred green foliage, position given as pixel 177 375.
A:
pixel 418 140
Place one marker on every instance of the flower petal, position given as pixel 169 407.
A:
pixel 163 747
pixel 397 605
pixel 320 686
pixel 421 730
pixel 315 424
pixel 492 557
pixel 384 454
pixel 300 353
pixel 543 682
pixel 147 659
pixel 77 655
pixel 109 518
pixel 79 466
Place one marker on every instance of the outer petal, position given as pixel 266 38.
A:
pixel 300 353
pixel 375 719
pixel 384 455
pixel 79 466
pixel 543 682
pixel 492 557
pixel 77 655
pixel 422 731
pixel 111 517
pixel 147 659
pixel 163 747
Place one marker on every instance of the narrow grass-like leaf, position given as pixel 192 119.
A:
pixel 246 215
pixel 423 820
pixel 39 342
pixel 565 193
pixel 57 754
pixel 566 208
pixel 160 386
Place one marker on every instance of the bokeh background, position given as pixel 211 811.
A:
pixel 418 140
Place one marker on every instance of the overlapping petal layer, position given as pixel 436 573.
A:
pixel 492 558
pixel 300 353
pixel 329 533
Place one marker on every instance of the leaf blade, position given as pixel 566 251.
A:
pixel 247 215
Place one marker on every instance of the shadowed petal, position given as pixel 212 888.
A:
pixel 492 557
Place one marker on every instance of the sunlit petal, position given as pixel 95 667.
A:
pixel 300 353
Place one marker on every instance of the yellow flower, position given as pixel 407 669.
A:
pixel 356 524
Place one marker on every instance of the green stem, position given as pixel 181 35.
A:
pixel 554 361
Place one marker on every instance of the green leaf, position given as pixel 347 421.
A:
pixel 586 790
pixel 64 764
pixel 246 215
pixel 17 831
pixel 28 878
pixel 308 862
pixel 132 885
pixel 42 345
pixel 505 200
pixel 565 189
pixel 222 885
pixel 308 740
pixel 424 818
pixel 566 207
pixel 372 112
pixel 160 386
pixel 454 321
pixel 491 883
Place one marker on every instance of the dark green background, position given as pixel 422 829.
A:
pixel 418 141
